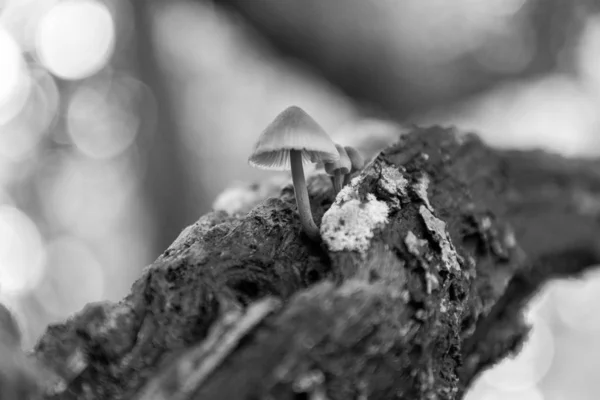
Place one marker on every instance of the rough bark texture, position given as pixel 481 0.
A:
pixel 427 259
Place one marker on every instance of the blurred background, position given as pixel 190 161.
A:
pixel 121 122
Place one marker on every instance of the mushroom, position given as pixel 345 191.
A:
pixel 338 169
pixel 357 161
pixel 291 139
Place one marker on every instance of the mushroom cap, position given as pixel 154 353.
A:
pixel 357 159
pixel 292 129
pixel 343 165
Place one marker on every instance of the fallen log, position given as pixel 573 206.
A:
pixel 427 259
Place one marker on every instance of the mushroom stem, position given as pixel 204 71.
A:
pixel 306 219
pixel 347 178
pixel 357 161
pixel 338 182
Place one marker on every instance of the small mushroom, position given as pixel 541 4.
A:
pixel 357 161
pixel 338 169
pixel 291 139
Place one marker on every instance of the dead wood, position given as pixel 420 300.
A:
pixel 427 260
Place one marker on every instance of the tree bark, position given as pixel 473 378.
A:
pixel 427 259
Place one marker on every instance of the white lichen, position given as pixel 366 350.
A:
pixel 420 189
pixel 392 181
pixel 349 191
pixel 414 244
pixel 486 223
pixel 509 238
pixel 437 228
pixel 308 381
pixel 444 305
pixel 432 282
pixel 349 223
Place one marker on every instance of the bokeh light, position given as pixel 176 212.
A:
pixel 577 303
pixel 44 100
pixel 85 196
pixel 21 19
pixel 22 253
pixel 496 394
pixel 14 82
pixel 555 113
pixel 76 38
pixel 102 119
pixel 10 68
pixel 73 277
pixel 20 135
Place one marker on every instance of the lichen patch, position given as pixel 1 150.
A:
pixel 349 223
pixel 420 189
pixel 437 228
pixel 415 247
pixel 392 181
pixel 414 244
pixel 432 282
